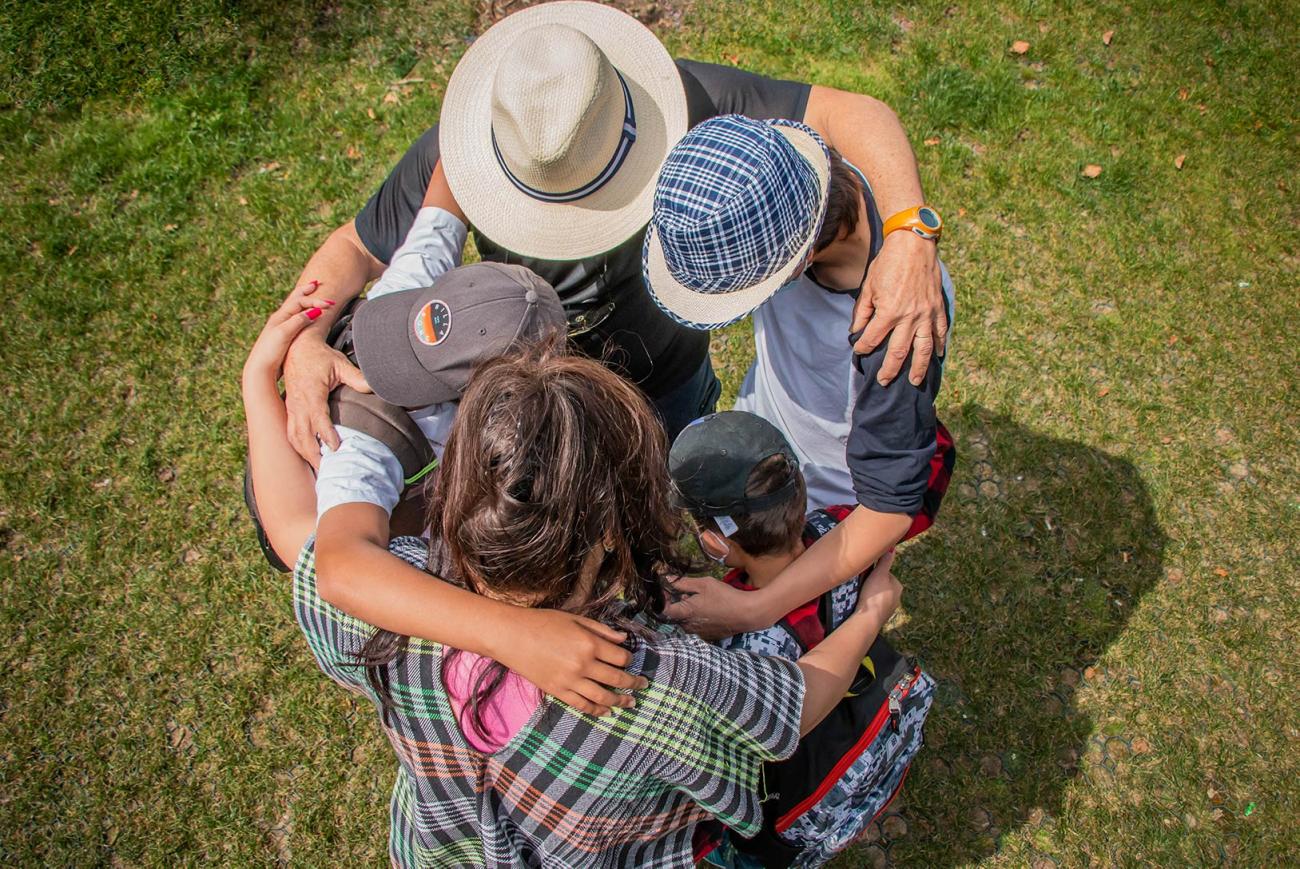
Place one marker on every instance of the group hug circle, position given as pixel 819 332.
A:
pixel 500 489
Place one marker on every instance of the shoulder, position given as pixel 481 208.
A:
pixel 737 91
pixel 689 665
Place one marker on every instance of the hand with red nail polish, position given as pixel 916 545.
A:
pixel 268 351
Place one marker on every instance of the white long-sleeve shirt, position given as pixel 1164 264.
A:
pixel 362 469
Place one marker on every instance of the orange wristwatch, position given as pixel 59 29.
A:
pixel 923 220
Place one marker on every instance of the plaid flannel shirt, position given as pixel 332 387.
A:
pixel 628 789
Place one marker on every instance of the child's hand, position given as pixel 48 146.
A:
pixel 709 608
pixel 881 591
pixel 574 659
pixel 297 312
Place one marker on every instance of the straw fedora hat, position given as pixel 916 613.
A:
pixel 553 127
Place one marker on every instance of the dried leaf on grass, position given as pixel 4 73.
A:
pixel 1179 160
pixel 1107 37
pixel 1092 170
pixel 1019 47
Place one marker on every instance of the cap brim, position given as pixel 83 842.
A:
pixel 716 310
pixel 615 212
pixel 381 339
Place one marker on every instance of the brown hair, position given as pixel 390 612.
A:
pixel 777 529
pixel 843 202
pixel 551 456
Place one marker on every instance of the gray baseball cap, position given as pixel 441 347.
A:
pixel 419 347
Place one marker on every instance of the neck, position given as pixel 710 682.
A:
pixel 762 569
pixel 843 261
pixel 581 589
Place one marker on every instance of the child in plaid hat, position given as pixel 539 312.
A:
pixel 761 218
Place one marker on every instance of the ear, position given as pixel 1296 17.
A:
pixel 714 544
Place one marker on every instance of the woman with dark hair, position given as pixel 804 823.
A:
pixel 553 492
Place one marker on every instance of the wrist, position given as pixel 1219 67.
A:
pixel 493 644
pixel 754 609
pixel 875 609
pixel 257 373
pixel 912 242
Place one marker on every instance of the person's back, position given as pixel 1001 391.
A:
pixel 553 493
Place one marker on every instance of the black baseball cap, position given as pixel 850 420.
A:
pixel 712 458
pixel 419 347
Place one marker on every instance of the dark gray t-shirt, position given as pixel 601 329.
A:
pixel 639 339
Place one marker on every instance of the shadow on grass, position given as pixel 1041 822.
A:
pixel 1041 552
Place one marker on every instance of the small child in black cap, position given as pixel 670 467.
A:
pixel 738 477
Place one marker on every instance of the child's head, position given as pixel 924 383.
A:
pixel 740 480
pixel 553 489
pixel 419 347
pixel 843 204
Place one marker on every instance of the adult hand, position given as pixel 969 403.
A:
pixel 710 608
pixel 278 332
pixel 576 660
pixel 311 369
pixel 903 294
pixel 881 591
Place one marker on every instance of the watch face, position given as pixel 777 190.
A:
pixel 929 218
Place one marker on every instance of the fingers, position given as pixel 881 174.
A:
pixel 863 309
pixel 941 330
pixel 613 677
pixel 612 654
pixel 600 696
pixel 922 350
pixel 900 344
pixel 301 435
pixel 681 611
pixel 693 584
pixel 875 332
pixel 884 563
pixel 323 428
pixel 604 631
pixel 582 704
pixel 296 303
pixel 351 375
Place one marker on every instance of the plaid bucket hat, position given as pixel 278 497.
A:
pixel 737 207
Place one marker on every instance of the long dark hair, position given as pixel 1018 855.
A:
pixel 551 456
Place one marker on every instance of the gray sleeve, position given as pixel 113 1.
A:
pixel 385 220
pixel 893 435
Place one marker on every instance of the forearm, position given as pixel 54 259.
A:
pixel 343 267
pixel 356 573
pixel 849 549
pixel 829 668
pixel 282 481
pixel 869 135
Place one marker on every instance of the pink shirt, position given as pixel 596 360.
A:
pixel 507 710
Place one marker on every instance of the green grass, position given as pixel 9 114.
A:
pixel 1109 599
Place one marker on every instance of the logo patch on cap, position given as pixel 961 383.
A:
pixel 433 323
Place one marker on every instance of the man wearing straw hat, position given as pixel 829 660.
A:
pixel 552 129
